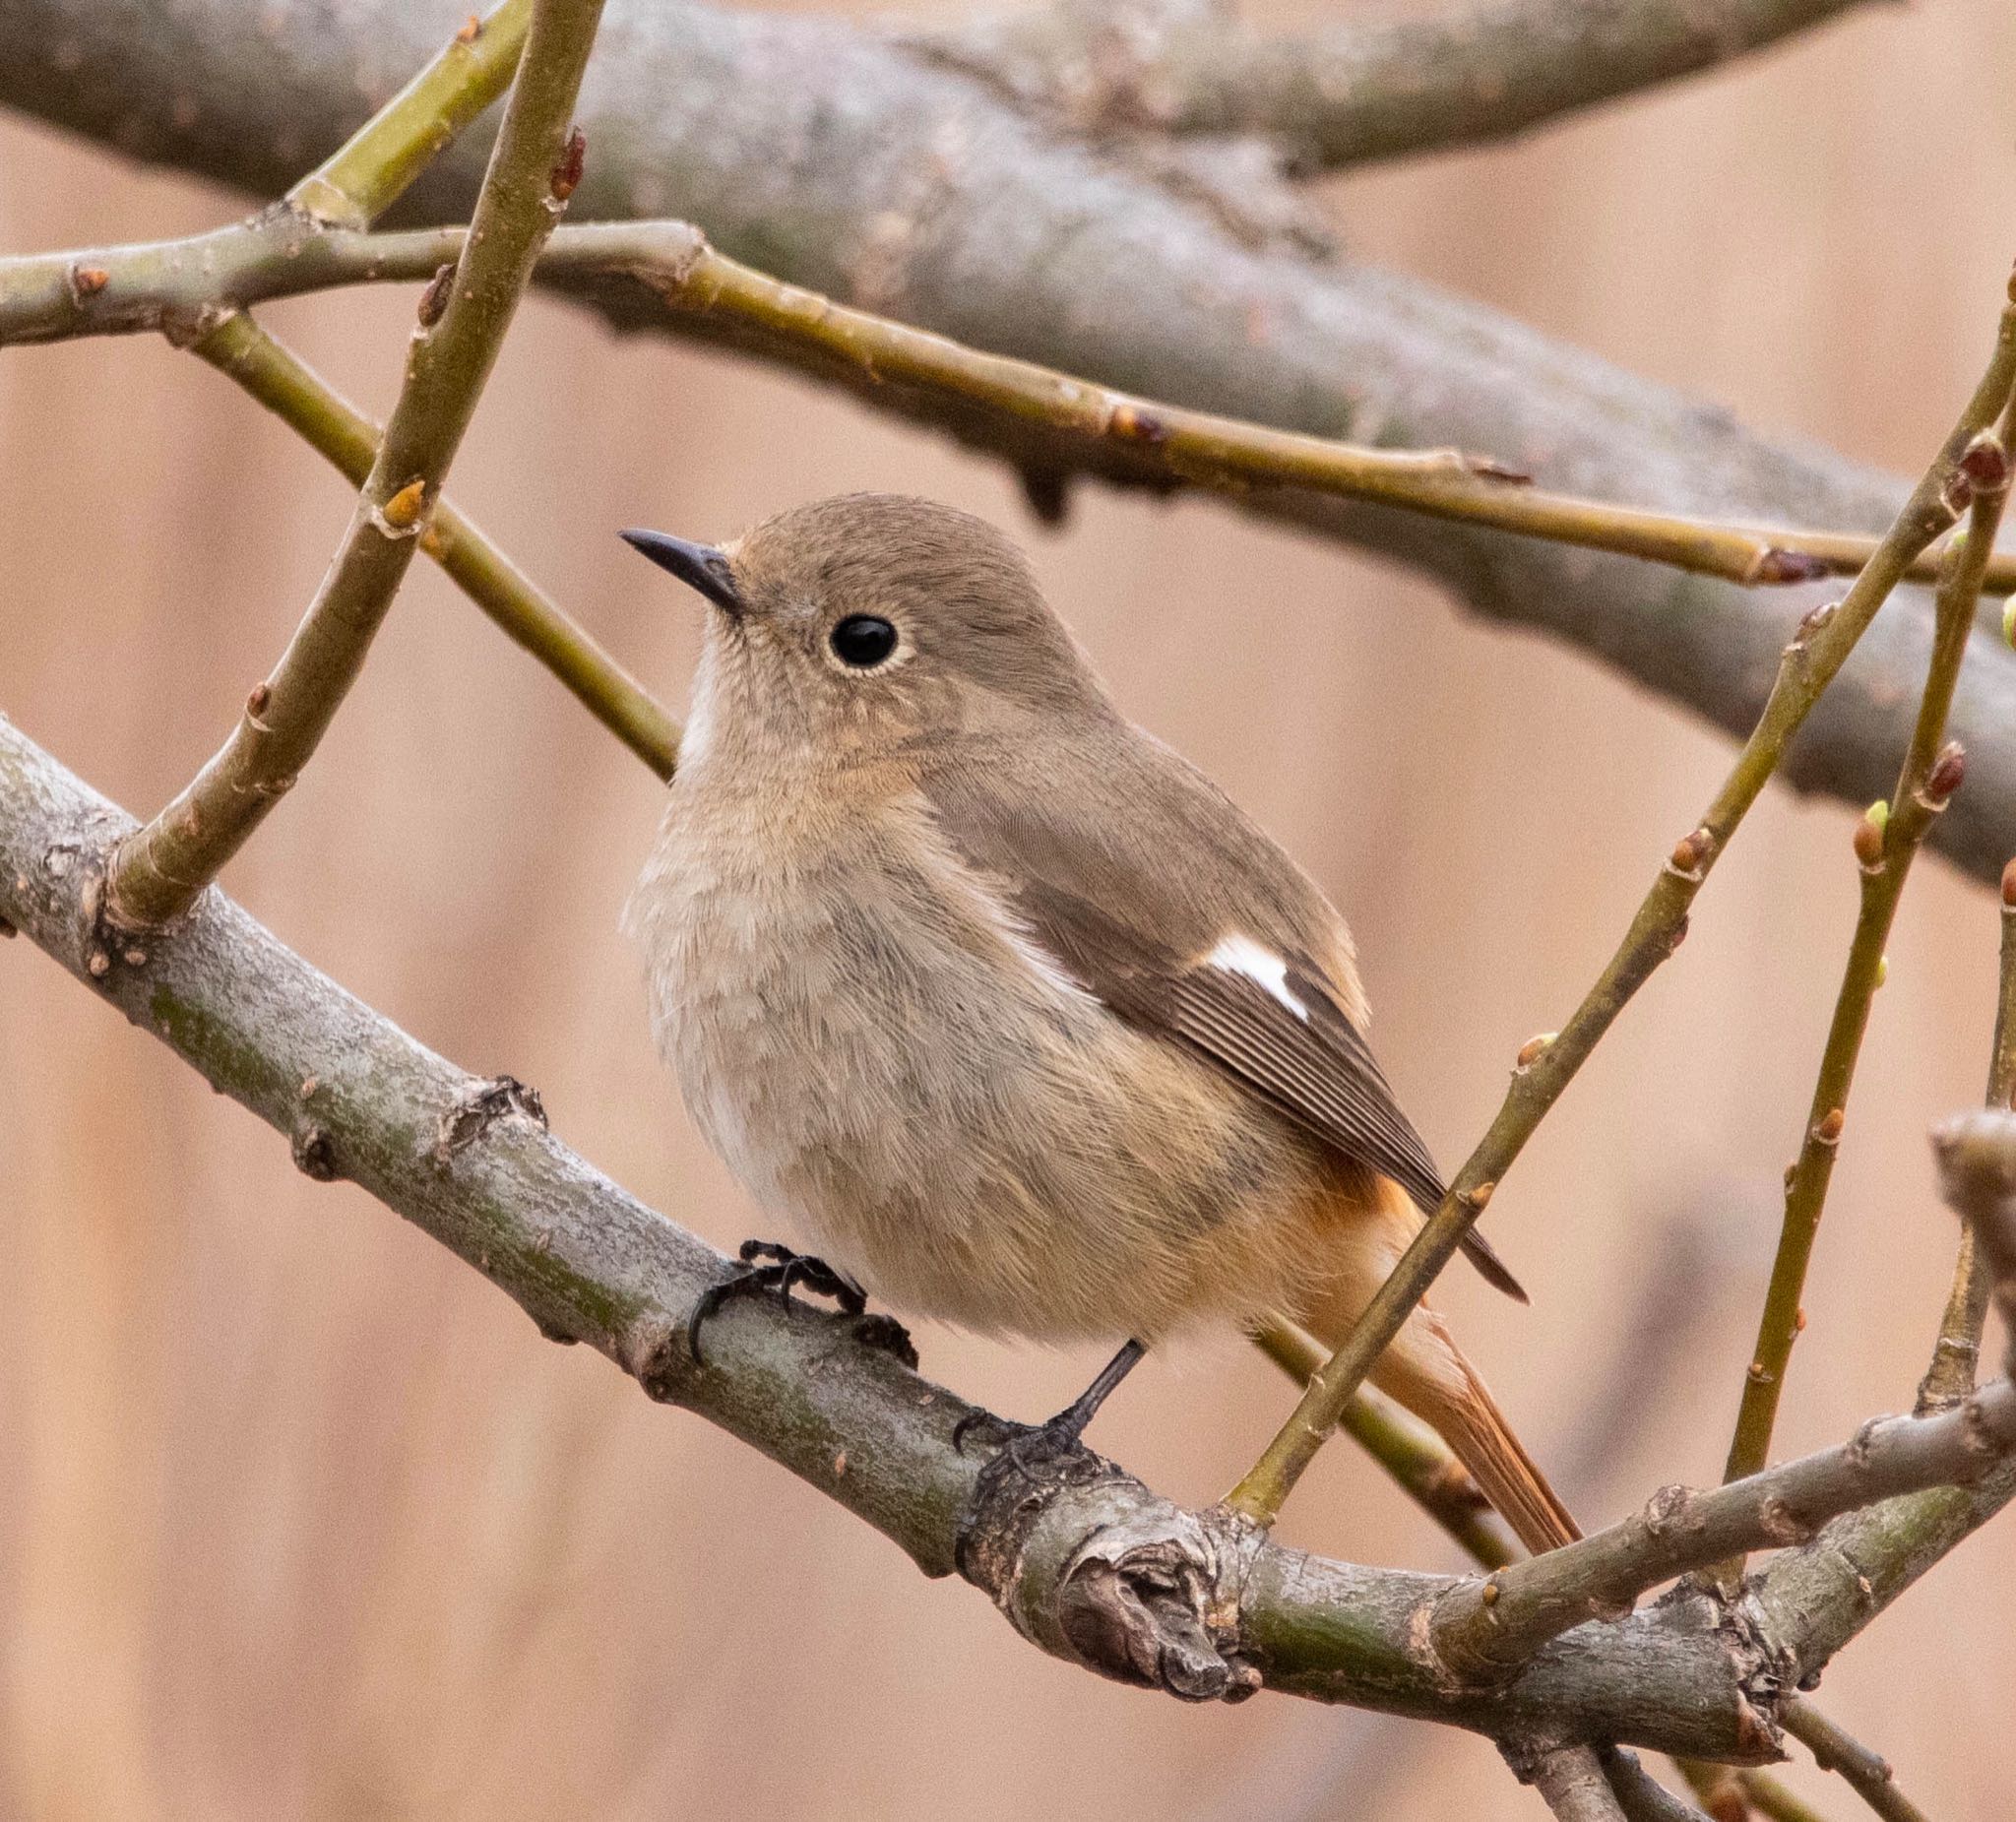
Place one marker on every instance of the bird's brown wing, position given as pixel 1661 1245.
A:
pixel 1230 974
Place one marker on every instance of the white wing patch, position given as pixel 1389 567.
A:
pixel 1241 954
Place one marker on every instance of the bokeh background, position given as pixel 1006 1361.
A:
pixel 300 1518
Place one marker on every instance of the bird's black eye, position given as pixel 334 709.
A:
pixel 862 640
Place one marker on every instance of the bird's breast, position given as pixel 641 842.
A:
pixel 887 1060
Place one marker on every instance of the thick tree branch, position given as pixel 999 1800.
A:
pixel 843 165
pixel 1353 92
pixel 1095 1568
pixel 1481 1629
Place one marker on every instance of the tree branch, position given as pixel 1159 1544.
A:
pixel 179 286
pixel 367 175
pixel 1574 1784
pixel 288 387
pixel 1808 665
pixel 1887 842
pixel 1836 1750
pixel 158 872
pixel 1354 93
pixel 843 165
pixel 1481 1629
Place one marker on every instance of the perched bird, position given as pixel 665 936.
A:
pixel 1000 1002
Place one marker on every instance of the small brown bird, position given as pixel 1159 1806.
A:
pixel 1002 1003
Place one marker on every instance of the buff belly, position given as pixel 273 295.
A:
pixel 937 1110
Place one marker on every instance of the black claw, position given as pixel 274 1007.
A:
pixel 767 1268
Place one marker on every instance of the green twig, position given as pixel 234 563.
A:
pixel 281 382
pixel 366 175
pixel 181 287
pixel 158 874
pixel 1810 662
pixel 1885 845
pixel 1420 1461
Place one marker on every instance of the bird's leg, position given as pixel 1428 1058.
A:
pixel 1063 1432
pixel 768 1267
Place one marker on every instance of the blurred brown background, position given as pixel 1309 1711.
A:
pixel 298 1517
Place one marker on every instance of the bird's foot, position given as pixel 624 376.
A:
pixel 1030 1449
pixel 769 1268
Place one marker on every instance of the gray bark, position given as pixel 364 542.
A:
pixel 855 166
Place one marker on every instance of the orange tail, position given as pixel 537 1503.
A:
pixel 1426 1372
pixel 1471 1424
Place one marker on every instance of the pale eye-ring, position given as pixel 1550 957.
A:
pixel 862 641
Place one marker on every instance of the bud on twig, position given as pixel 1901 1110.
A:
pixel 1869 836
pixel 1531 1051
pixel 2009 887
pixel 566 178
pixel 403 510
pixel 434 299
pixel 1985 464
pixel 1778 564
pixel 1948 774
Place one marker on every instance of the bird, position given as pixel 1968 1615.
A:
pixel 1002 1004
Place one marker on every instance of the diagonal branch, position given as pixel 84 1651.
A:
pixel 1806 667
pixel 1483 1629
pixel 1351 93
pixel 158 872
pixel 1887 842
pixel 845 165
pixel 1836 1750
pixel 1573 1781
pixel 372 169
pixel 287 385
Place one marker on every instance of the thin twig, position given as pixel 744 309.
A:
pixel 1810 664
pixel 1834 1749
pixel 1640 1795
pixel 1956 1356
pixel 1772 1798
pixel 182 286
pixel 1885 845
pixel 287 385
pixel 1481 1629
pixel 1572 1780
pixel 158 874
pixel 365 176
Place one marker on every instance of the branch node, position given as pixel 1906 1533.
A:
pixel 1146 1593
pixel 480 1107
pixel 314 1152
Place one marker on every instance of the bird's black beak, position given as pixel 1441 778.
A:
pixel 699 566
